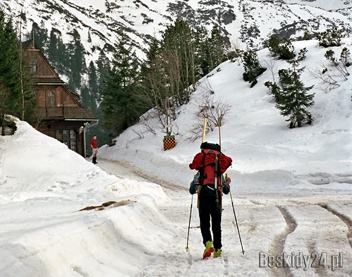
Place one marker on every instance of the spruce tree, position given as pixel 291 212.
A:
pixel 291 96
pixel 209 49
pixel 57 52
pixel 281 47
pixel 217 53
pixel 154 81
pixel 121 93
pixel 78 64
pixel 202 49
pixel 15 90
pixel 252 67
pixel 29 101
pixel 179 61
pixel 157 90
pixel 175 63
pixel 93 83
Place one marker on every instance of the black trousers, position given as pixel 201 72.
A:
pixel 209 212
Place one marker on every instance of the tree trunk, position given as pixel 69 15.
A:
pixel 3 124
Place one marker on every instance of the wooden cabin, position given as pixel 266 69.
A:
pixel 60 113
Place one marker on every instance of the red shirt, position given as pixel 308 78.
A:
pixel 94 143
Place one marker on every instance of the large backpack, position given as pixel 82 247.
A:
pixel 211 163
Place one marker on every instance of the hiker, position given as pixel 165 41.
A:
pixel 94 146
pixel 210 195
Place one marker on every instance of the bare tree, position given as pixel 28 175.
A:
pixel 207 107
pixel 340 65
pixel 328 80
pixel 272 66
pixel 146 119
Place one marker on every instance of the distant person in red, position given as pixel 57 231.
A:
pixel 94 145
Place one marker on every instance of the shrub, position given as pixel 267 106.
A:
pixel 330 37
pixel 281 47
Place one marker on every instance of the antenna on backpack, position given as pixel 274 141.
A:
pixel 219 134
pixel 204 129
pixel 217 158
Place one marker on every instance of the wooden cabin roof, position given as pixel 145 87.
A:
pixel 46 75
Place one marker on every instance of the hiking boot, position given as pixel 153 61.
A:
pixel 209 248
pixel 217 253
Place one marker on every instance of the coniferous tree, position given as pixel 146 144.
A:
pixel 252 67
pixel 77 65
pixel 57 52
pixel 210 50
pixel 179 62
pixel 174 65
pixel 29 101
pixel 157 91
pixel 201 49
pixel 281 47
pixel 40 34
pixel 217 53
pixel 90 93
pixel 154 81
pixel 291 96
pixel 15 92
pixel 93 81
pixel 10 90
pixel 90 101
pixel 170 71
pixel 121 93
pixel 53 46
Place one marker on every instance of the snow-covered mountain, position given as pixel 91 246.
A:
pixel 244 22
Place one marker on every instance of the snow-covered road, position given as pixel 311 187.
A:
pixel 304 220
pixel 293 233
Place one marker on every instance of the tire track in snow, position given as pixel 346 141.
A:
pixel 343 217
pixel 279 242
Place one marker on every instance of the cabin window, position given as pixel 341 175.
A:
pixel 33 67
pixel 67 137
pixel 51 99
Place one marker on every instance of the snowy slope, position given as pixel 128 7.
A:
pixel 255 126
pixel 43 186
pixel 327 5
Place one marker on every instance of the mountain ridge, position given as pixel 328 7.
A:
pixel 250 22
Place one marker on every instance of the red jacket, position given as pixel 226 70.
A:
pixel 206 162
pixel 207 157
pixel 94 143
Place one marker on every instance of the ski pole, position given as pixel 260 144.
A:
pixel 234 213
pixel 189 222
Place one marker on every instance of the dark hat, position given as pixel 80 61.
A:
pixel 212 146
